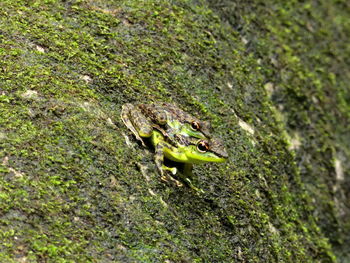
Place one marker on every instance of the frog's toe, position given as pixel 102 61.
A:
pixel 173 170
pixel 189 183
pixel 178 183
pixel 173 180
pixel 164 178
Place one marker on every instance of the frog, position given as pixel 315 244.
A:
pixel 173 122
pixel 171 118
pixel 175 135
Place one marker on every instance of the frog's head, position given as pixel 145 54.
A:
pixel 186 124
pixel 195 128
pixel 204 150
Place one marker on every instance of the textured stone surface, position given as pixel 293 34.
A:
pixel 272 79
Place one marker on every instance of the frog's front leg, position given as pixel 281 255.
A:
pixel 159 160
pixel 188 174
pixel 187 171
pixel 136 122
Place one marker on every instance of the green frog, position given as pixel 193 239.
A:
pixel 165 117
pixel 175 134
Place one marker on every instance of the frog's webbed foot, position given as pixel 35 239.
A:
pixel 167 178
pixel 136 122
pixel 159 159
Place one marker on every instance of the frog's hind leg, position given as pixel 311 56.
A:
pixel 136 122
pixel 155 113
pixel 159 159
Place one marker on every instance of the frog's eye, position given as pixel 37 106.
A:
pixel 202 146
pixel 195 126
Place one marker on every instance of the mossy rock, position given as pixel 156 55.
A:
pixel 272 78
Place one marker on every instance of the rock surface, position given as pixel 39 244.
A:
pixel 272 79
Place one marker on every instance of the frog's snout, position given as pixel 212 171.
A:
pixel 217 146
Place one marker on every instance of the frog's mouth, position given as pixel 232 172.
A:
pixel 205 159
pixel 194 156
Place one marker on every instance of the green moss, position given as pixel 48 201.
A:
pixel 73 190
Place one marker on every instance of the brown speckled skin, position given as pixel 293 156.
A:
pixel 183 117
pixel 146 117
pixel 143 118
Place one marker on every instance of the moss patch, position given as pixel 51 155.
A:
pixel 73 190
